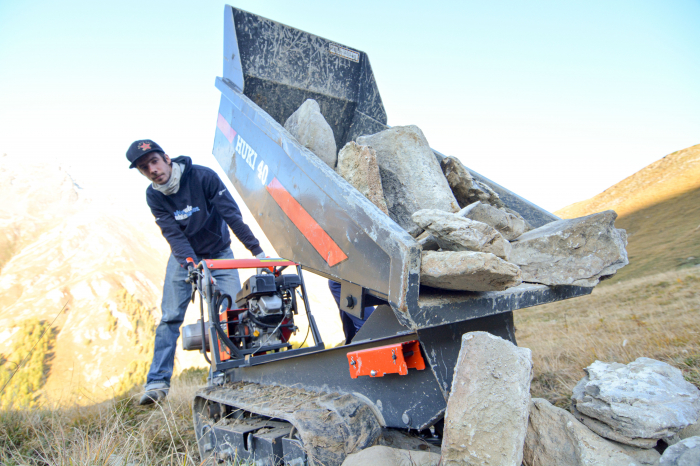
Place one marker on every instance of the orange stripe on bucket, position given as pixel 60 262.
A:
pixel 225 128
pixel 316 235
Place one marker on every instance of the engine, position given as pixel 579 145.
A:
pixel 266 306
pixel 261 320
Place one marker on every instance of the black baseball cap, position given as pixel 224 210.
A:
pixel 139 148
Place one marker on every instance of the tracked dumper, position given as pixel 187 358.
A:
pixel 266 401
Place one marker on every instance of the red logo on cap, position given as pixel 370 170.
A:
pixel 145 146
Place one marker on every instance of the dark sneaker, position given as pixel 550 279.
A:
pixel 155 392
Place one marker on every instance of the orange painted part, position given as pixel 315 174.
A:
pixel 390 359
pixel 225 128
pixel 218 264
pixel 230 316
pixel 313 232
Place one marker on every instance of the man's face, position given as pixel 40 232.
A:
pixel 153 167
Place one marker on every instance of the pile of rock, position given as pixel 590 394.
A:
pixel 485 246
pixel 643 413
pixel 620 414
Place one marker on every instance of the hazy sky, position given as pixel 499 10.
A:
pixel 554 100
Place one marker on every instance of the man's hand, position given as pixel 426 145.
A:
pixel 261 256
pixel 191 272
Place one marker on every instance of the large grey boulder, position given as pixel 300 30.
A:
pixel 467 271
pixel 684 453
pixel 509 224
pixel 636 404
pixel 358 165
pixel 555 438
pixel 411 175
pixel 579 251
pixel 455 233
pixel 386 456
pixel 465 188
pixel 486 416
pixel 309 127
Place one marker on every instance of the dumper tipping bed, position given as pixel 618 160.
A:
pixel 310 213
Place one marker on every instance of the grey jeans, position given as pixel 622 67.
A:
pixel 176 297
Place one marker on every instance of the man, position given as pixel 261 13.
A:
pixel 192 207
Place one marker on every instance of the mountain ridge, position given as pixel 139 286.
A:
pixel 670 176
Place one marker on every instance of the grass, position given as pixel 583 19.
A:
pixel 656 317
pixel 23 371
pixel 662 237
pixel 115 433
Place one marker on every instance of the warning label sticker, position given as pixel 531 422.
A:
pixel 344 52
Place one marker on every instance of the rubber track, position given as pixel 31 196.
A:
pixel 331 426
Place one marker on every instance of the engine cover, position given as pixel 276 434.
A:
pixel 257 285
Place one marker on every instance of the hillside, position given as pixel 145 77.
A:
pixel 63 248
pixel 659 206
pixel 61 245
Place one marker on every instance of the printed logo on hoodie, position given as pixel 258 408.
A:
pixel 185 213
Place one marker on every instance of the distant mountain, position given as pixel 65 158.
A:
pixel 659 206
pixel 60 247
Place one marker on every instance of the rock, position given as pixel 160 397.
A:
pixel 555 438
pixel 684 453
pixel 358 165
pixel 643 456
pixel 427 242
pixel 454 233
pixel 692 430
pixel 509 224
pixel 580 251
pixel 636 404
pixel 467 271
pixel 386 456
pixel 309 127
pixel 528 227
pixel 608 432
pixel 411 175
pixel 465 188
pixel 486 416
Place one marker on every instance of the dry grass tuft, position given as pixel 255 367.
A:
pixel 115 433
pixel 656 317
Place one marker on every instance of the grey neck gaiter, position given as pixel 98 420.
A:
pixel 173 184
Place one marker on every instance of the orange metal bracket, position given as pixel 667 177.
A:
pixel 390 359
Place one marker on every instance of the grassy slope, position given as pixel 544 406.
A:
pixel 115 432
pixel 662 237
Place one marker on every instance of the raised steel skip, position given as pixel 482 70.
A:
pixel 310 213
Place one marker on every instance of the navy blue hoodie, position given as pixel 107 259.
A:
pixel 194 219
